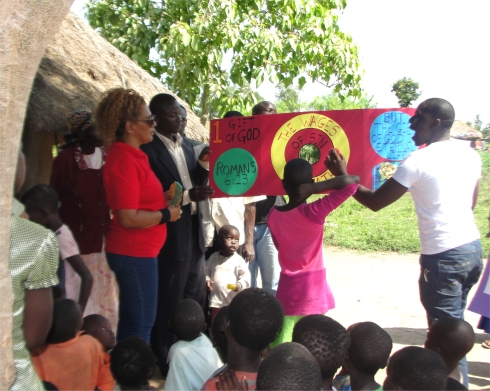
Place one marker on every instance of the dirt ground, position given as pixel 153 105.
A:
pixel 383 288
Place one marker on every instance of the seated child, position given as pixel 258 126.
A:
pixel 99 327
pixel 297 232
pixel 192 359
pixel 452 339
pixel 132 364
pixel 42 203
pixel 217 334
pixel 327 340
pixel 226 271
pixel 254 319
pixel 289 366
pixel 71 361
pixel 369 351
pixel 414 368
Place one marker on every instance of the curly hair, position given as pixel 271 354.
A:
pixel 255 318
pixel 289 366
pixel 326 339
pixel 116 107
pixel 370 347
pixel 187 320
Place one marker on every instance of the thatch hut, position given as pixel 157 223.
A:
pixel 464 131
pixel 77 67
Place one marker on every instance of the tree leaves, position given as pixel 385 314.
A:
pixel 406 90
pixel 184 43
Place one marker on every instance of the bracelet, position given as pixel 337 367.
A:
pixel 165 216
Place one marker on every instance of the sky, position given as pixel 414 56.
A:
pixel 438 43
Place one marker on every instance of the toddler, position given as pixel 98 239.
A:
pixel 297 232
pixel 41 203
pixel 132 364
pixel 192 359
pixel 226 271
pixel 327 340
pixel 71 361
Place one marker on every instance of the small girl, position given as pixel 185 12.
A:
pixel 226 271
pixel 297 232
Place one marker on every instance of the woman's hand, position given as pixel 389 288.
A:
pixel 335 162
pixel 175 212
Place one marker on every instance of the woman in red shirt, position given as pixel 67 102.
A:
pixel 137 231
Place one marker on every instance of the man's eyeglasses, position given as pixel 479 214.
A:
pixel 149 121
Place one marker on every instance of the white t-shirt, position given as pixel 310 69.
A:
pixel 191 364
pixel 442 179
pixel 68 248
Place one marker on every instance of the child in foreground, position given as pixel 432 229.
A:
pixel 327 340
pixel 192 359
pixel 451 339
pixel 297 232
pixel 41 203
pixel 132 364
pixel 71 361
pixel 226 271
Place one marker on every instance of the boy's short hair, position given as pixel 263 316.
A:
pixel 161 101
pixel 187 320
pixel 255 318
pixel 132 362
pixel 289 366
pixel 67 320
pixel 326 339
pixel 415 368
pixel 217 334
pixel 41 197
pixel 297 171
pixel 370 347
pixel 232 113
pixel 227 228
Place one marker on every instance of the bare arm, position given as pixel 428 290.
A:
pixel 38 313
pixel 87 280
pixel 302 192
pixel 248 251
pixel 385 195
pixel 141 219
pixel 475 194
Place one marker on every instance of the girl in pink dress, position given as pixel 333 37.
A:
pixel 297 232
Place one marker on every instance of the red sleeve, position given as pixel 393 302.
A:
pixel 318 210
pixel 124 183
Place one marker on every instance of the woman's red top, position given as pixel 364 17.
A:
pixel 130 183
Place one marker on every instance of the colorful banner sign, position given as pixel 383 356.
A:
pixel 248 154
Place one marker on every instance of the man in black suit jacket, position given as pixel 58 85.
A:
pixel 181 273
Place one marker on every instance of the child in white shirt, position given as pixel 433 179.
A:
pixel 226 271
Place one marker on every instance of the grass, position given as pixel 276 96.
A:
pixel 394 228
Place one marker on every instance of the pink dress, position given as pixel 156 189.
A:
pixel 298 237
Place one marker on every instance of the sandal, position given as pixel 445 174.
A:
pixel 486 344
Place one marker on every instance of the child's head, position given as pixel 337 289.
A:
pixel 414 368
pixel 99 327
pixel 217 334
pixel 254 318
pixel 264 107
pixel 132 363
pixel 326 339
pixel 296 172
pixel 228 239
pixel 289 366
pixel 370 348
pixel 187 320
pixel 41 202
pixel 67 321
pixel 450 338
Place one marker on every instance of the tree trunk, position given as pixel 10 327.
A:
pixel 26 27
pixel 205 105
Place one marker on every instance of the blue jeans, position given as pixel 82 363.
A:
pixel 266 259
pixel 444 283
pixel 138 285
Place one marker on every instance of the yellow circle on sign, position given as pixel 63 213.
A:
pixel 307 121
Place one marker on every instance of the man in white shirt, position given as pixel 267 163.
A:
pixel 443 180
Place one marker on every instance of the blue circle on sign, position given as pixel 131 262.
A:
pixel 391 136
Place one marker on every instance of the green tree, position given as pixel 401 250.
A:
pixel 335 102
pixel 287 99
pixel 477 123
pixel 184 42
pixel 486 131
pixel 406 90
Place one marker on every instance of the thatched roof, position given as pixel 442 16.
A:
pixel 464 131
pixel 77 67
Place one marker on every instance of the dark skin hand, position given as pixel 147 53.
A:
pixel 38 313
pixel 228 381
pixel 79 267
pixel 201 193
pixel 248 251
